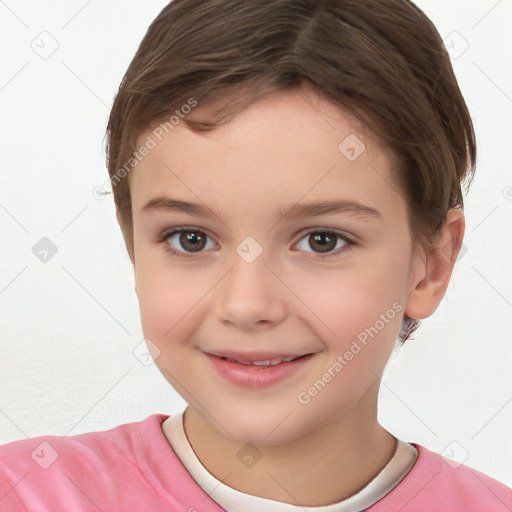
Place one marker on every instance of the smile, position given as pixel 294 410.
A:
pixel 258 373
pixel 267 362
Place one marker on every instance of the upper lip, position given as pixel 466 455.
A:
pixel 250 357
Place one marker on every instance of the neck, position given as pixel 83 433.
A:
pixel 322 467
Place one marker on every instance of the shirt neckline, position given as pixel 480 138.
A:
pixel 232 500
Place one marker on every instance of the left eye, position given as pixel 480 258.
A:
pixel 323 242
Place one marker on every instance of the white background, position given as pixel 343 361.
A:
pixel 70 326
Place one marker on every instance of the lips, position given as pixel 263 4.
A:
pixel 247 371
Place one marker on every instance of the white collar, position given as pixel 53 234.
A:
pixel 232 500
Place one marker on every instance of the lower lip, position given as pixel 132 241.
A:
pixel 255 377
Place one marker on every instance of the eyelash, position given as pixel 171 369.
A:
pixel 350 244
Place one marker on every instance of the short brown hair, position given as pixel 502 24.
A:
pixel 381 60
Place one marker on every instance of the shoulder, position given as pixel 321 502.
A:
pixel 44 451
pixel 438 483
pixel 57 470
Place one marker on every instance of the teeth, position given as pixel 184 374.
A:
pixel 268 362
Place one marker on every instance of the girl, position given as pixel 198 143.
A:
pixel 287 176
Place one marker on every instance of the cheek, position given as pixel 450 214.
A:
pixel 357 314
pixel 169 301
pixel 347 301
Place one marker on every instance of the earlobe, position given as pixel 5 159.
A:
pixel 432 275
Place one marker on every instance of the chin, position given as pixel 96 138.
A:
pixel 262 426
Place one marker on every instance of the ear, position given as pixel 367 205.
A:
pixel 431 275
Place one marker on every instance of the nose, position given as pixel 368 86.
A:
pixel 250 296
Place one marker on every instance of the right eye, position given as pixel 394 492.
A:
pixel 184 242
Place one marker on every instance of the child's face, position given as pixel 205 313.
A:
pixel 278 153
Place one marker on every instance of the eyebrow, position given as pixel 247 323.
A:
pixel 299 210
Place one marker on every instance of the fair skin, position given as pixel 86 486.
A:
pixel 280 151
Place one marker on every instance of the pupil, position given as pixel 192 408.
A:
pixel 326 242
pixel 192 241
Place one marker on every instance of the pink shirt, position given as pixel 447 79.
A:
pixel 132 468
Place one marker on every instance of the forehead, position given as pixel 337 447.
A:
pixel 286 146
